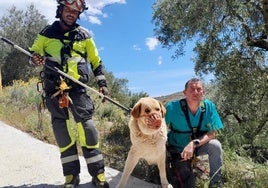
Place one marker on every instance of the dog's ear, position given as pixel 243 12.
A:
pixel 136 110
pixel 163 109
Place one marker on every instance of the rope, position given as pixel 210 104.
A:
pixel 206 185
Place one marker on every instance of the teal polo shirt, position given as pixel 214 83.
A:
pixel 175 117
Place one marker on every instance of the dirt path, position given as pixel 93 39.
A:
pixel 28 162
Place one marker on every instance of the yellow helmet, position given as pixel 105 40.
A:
pixel 79 5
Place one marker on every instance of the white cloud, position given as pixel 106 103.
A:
pixel 136 47
pixel 151 42
pixel 101 49
pixel 95 7
pixel 94 20
pixel 48 8
pixel 93 10
pixel 100 4
pixel 160 60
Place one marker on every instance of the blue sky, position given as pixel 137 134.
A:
pixel 123 32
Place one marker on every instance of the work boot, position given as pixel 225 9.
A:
pixel 71 181
pixel 100 181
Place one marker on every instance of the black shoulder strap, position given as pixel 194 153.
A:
pixel 194 130
pixel 203 109
pixel 52 31
pixel 178 131
pixel 184 107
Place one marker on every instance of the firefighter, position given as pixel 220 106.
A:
pixel 70 48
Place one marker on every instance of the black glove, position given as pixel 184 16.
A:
pixel 101 82
pixel 104 90
pixel 103 86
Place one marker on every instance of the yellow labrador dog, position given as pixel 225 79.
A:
pixel 148 134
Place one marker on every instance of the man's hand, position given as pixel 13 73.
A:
pixel 104 90
pixel 188 151
pixel 37 59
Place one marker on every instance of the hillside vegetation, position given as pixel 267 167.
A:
pixel 20 107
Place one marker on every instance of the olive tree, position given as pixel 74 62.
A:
pixel 231 44
pixel 21 27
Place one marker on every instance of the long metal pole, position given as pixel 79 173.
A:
pixel 67 76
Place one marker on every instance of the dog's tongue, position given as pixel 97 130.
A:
pixel 155 121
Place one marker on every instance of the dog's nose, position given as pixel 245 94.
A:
pixel 154 121
pixel 155 116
